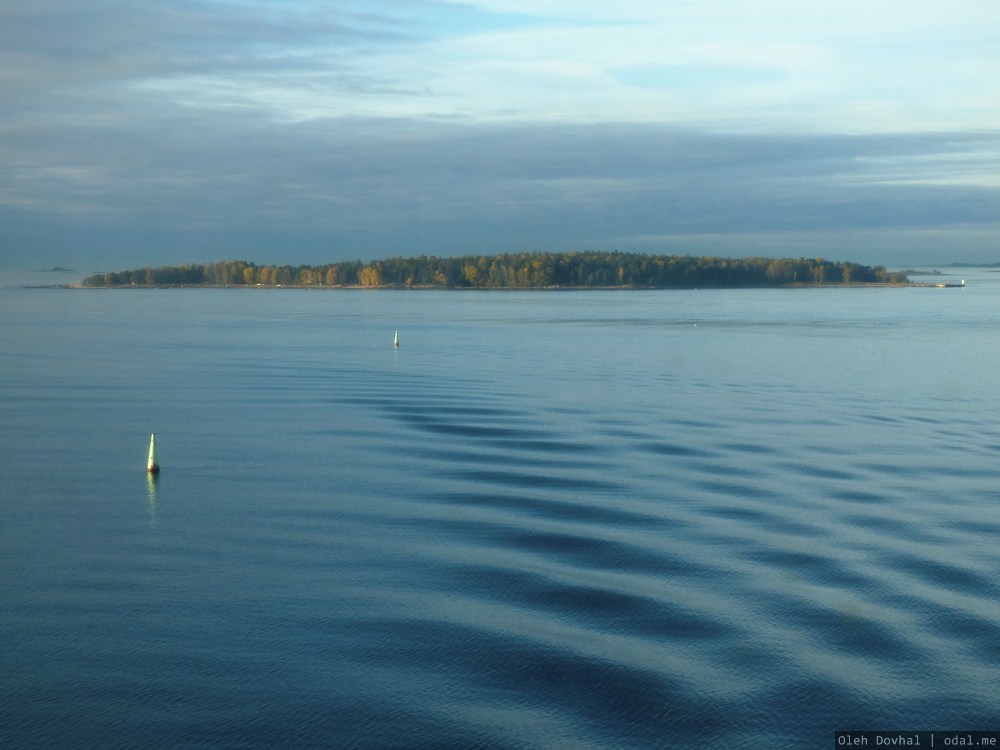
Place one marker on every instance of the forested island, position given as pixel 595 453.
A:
pixel 590 269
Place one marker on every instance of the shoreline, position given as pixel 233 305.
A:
pixel 417 288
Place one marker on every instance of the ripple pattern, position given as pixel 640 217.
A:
pixel 602 528
pixel 686 580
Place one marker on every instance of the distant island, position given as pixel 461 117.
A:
pixel 575 270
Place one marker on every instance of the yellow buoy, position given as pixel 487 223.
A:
pixel 153 465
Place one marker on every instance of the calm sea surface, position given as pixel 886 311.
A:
pixel 671 519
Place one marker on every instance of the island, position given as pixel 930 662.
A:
pixel 539 270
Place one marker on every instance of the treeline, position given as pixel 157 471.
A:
pixel 515 271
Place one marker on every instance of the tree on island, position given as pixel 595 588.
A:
pixel 589 269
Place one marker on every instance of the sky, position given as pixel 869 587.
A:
pixel 304 132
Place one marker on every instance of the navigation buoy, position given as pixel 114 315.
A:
pixel 153 466
pixel 395 341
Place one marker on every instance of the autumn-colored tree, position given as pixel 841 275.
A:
pixel 369 276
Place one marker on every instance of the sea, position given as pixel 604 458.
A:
pixel 707 519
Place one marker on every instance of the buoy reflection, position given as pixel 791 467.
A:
pixel 152 481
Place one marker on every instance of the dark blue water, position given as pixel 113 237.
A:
pixel 699 519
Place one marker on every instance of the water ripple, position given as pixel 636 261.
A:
pixel 555 509
pixel 733 536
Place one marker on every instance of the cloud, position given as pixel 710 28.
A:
pixel 373 127
pixel 386 186
pixel 850 67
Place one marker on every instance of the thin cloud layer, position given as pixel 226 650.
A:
pixel 310 131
